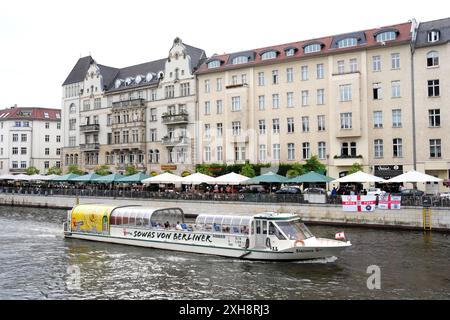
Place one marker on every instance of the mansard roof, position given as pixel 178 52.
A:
pixel 79 70
pixel 441 25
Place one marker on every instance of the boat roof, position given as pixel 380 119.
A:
pixel 276 216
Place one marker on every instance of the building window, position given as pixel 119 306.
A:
pixel 378 148
pixel 97 103
pixel 261 102
pixel 262 152
pixel 207 154
pixel 376 63
pixel 47 125
pixel 207 108
pixel 321 123
pixel 341 66
pixel 261 81
pixel 395 61
pixel 236 127
pixel 276 101
pixel 47 151
pixel 432 59
pixel 219 153
pixel 314 47
pixel 434 117
pixel 23 164
pixel 47 138
pixel 15 137
pixel 322 150
pixel 290 125
pixel 219 107
pixel 348 151
pixel 185 89
pixel 276 126
pixel 396 118
pixel 346 120
pixel 219 129
pixel 219 84
pixel 262 126
pixel 269 55
pixel 153 135
pixel 305 94
pixel 376 89
pixel 353 65
pixel 86 105
pixel 305 124
pixel 378 119
pixel 169 92
pixel 306 150
pixel 276 151
pixel 239 153
pixel 348 42
pixel 58 151
pixel 235 103
pixel 239 60
pixel 15 150
pixel 291 151
pixel 345 92
pixel 290 52
pixel 154 94
pixel 397 144
pixel 433 88
pixel 207 86
pixel 290 99
pixel 72 108
pixel 386 36
pixel 58 138
pixel 395 85
pixel 289 74
pixel 207 130
pixel 435 148
pixel 213 64
pixel 275 77
pixel 433 36
pixel 23 137
pixel 153 114
pixel 319 71
pixel 304 73
pixel 320 96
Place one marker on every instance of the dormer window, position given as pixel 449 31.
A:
pixel 269 55
pixel 314 47
pixel 433 36
pixel 213 64
pixel 289 52
pixel 386 36
pixel 347 42
pixel 46 115
pixel 239 60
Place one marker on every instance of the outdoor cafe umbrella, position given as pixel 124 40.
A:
pixel 268 177
pixel 164 178
pixel 66 177
pixel 198 178
pixel 135 178
pixel 7 177
pixel 360 177
pixel 86 178
pixel 413 177
pixel 110 178
pixel 231 179
pixel 311 177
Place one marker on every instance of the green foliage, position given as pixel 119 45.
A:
pixel 291 173
pixel 153 173
pixel 185 173
pixel 313 164
pixel 248 171
pixel 168 171
pixel 355 168
pixel 32 170
pixel 54 170
pixel 73 168
pixel 218 169
pixel 130 170
pixel 102 170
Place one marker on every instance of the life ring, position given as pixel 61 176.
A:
pixel 268 243
pixel 299 241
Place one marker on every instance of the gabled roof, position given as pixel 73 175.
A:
pixel 441 25
pixel 45 114
pixel 79 70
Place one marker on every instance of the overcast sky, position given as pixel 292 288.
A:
pixel 40 41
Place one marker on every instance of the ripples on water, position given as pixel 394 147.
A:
pixel 34 257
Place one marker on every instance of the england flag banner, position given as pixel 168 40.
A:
pixel 389 202
pixel 358 203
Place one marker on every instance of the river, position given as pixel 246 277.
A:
pixel 36 262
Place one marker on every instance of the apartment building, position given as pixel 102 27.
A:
pixel 142 115
pixel 30 137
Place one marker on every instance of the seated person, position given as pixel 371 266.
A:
pixel 178 226
pixel 167 225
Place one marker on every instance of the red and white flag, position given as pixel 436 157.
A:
pixel 340 236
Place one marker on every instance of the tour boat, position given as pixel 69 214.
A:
pixel 264 236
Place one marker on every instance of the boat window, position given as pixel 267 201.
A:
pixel 218 220
pixel 147 219
pixel 113 220
pixel 226 228
pixel 125 217
pixel 264 227
pixel 132 219
pixel 140 219
pixel 273 230
pixel 200 220
pixel 209 219
pixel 294 230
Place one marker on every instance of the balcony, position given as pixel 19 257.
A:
pixel 128 103
pixel 178 118
pixel 90 127
pixel 90 146
pixel 129 146
pixel 174 141
pixel 347 160
pixel 17 170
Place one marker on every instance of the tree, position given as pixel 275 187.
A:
pixel 248 171
pixel 130 170
pixel 32 170
pixel 313 164
pixel 185 173
pixel 355 168
pixel 73 168
pixel 54 170
pixel 102 170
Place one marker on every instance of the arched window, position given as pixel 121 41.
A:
pixel 71 159
pixel 107 158
pixel 314 47
pixel 347 42
pixel 67 159
pixel 213 64
pixel 290 52
pixel 432 59
pixel 156 156
pixel 75 159
pixel 239 60
pixel 386 36
pixel 272 54
pixel 72 108
pixel 433 36
pixel 150 156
